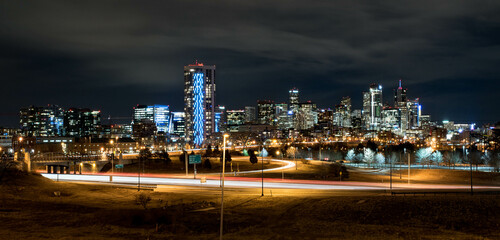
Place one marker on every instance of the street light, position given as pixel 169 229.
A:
pixel 112 156
pixel 262 164
pixel 222 186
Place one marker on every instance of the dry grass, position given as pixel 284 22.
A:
pixel 31 211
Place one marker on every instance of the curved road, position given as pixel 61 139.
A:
pixel 244 182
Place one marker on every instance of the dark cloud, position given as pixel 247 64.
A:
pixel 112 55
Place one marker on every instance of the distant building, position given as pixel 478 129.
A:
pixel 250 115
pixel 199 102
pixel 82 122
pixel 265 112
pixel 413 113
pixel 376 105
pixel 42 121
pixel 178 124
pixel 158 115
pixel 356 118
pixel 391 118
pixel 294 100
pixel 116 131
pixel 342 116
pixel 366 111
pixel 294 96
pixel 220 119
pixel 236 117
pixel 400 96
pixel 307 116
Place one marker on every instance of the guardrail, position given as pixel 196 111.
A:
pixel 445 193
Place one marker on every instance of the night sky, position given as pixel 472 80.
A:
pixel 112 55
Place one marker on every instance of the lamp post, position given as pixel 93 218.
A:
pixel 112 156
pixel 294 158
pixel 470 161
pixel 262 172
pixel 222 186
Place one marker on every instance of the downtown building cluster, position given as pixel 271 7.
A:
pixel 202 121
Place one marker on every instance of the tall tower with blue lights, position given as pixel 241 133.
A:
pixel 199 102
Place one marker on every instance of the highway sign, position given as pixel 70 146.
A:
pixel 193 159
pixel 119 166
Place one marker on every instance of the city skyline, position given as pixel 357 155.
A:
pixel 444 53
pixel 395 97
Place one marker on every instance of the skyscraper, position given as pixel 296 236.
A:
pixel 294 96
pixel 400 96
pixel 366 111
pixel 307 116
pixel 345 111
pixel 400 101
pixel 199 102
pixel 376 106
pixel 294 106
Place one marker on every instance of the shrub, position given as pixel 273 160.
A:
pixel 253 157
pixel 142 199
pixel 207 164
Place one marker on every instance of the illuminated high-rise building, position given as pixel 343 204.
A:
pixel 307 116
pixel 376 106
pixel 80 122
pixel 401 102
pixel 236 117
pixel 220 119
pixel 199 102
pixel 159 115
pixel 294 96
pixel 343 116
pixel 42 121
pixel 400 96
pixel 250 114
pixel 265 112
pixel 178 127
pixel 414 111
pixel 366 111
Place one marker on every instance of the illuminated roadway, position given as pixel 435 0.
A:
pixel 245 182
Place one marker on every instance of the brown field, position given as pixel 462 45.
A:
pixel 29 210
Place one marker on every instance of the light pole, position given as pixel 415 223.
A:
pixel 294 158
pixel 390 167
pixel 222 186
pixel 262 172
pixel 409 166
pixel 112 156
pixel 470 160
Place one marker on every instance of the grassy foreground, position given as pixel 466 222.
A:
pixel 30 210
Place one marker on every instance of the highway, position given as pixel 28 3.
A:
pixel 242 182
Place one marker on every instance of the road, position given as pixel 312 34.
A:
pixel 213 180
pixel 242 182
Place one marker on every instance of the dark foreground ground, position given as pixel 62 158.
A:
pixel 29 210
